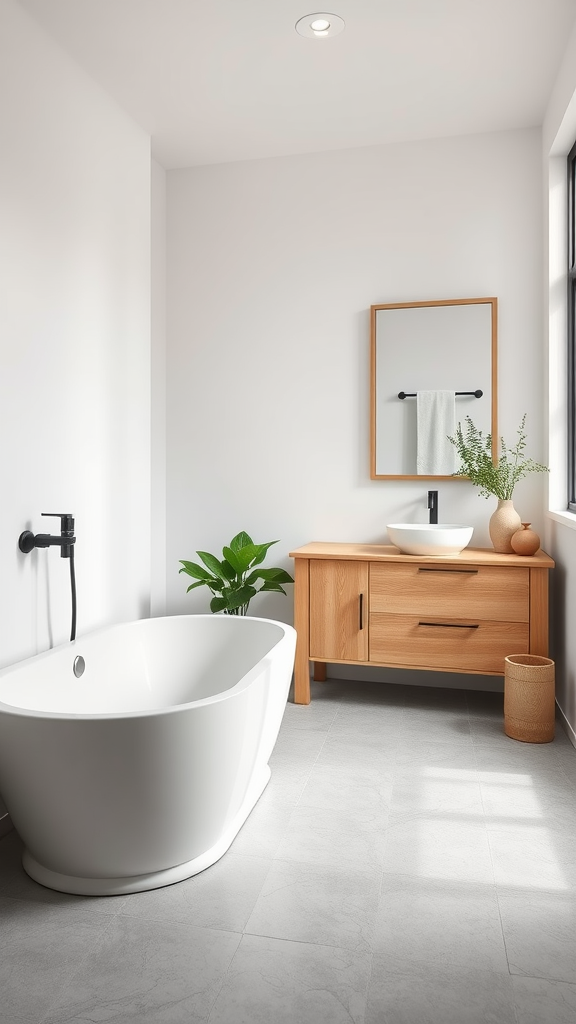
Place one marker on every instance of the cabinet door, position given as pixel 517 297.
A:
pixel 338 612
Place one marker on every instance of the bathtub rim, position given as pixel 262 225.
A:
pixel 243 683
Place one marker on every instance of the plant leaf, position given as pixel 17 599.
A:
pixel 218 604
pixel 233 560
pixel 261 553
pixel 279 575
pixel 213 564
pixel 228 569
pixel 240 541
pixel 195 570
pixel 200 583
pixel 270 585
pixel 244 556
pixel 239 597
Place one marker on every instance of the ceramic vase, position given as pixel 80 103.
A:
pixel 525 541
pixel 504 523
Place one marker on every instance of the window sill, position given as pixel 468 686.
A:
pixel 565 518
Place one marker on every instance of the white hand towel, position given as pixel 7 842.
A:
pixel 436 419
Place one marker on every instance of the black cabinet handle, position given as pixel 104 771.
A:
pixel 451 625
pixel 361 609
pixel 470 572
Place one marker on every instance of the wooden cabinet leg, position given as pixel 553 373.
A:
pixel 320 671
pixel 539 612
pixel 302 627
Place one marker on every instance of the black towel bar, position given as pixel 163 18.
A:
pixel 412 394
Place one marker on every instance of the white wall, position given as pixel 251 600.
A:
pixel 158 391
pixel 272 268
pixel 75 343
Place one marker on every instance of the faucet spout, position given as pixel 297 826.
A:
pixel 433 507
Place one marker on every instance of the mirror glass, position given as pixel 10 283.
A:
pixel 420 350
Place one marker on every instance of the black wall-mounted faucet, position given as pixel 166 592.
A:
pixel 28 541
pixel 433 506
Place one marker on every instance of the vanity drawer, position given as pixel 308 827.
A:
pixel 469 591
pixel 437 642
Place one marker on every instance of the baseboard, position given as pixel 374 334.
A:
pixel 566 726
pixel 6 825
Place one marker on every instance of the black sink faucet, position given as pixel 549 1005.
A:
pixel 433 506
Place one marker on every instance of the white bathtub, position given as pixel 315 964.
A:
pixel 142 771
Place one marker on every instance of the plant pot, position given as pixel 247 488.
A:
pixel 504 523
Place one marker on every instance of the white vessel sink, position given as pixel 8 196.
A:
pixel 428 539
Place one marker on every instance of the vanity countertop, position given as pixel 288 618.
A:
pixel 390 553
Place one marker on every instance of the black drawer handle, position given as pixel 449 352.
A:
pixel 450 625
pixel 361 603
pixel 470 572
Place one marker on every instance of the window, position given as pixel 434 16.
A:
pixel 571 321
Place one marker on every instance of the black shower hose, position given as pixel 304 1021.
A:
pixel 73 590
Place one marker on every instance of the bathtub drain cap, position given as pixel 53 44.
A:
pixel 79 666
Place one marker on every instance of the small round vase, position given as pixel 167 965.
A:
pixel 504 523
pixel 525 541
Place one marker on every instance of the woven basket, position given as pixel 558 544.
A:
pixel 529 698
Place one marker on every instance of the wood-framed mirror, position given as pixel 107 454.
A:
pixel 444 345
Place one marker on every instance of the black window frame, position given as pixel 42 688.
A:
pixel 571 329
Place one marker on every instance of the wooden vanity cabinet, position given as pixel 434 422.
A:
pixel 371 605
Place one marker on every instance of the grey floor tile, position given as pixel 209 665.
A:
pixel 151 971
pixel 41 947
pixel 13 1018
pixel 377 695
pixel 310 903
pixel 317 716
pixel 534 856
pixel 423 921
pixel 545 798
pixel 489 730
pixel 221 897
pixel 538 1001
pixel 309 841
pixel 272 981
pixel 358 751
pixel 298 746
pixel 525 758
pixel 365 790
pixel 427 756
pixel 438 795
pixel 332 691
pixel 454 730
pixel 402 993
pixel 285 787
pixel 344 819
pixel 263 831
pixel 540 933
pixel 436 849
pixel 484 703
pixel 432 698
pixel 380 728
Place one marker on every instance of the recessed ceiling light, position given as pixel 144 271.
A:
pixel 320 25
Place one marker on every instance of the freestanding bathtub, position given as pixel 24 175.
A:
pixel 141 771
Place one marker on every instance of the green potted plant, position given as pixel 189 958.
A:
pixel 233 578
pixel 497 478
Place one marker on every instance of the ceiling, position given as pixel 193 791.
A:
pixel 214 81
